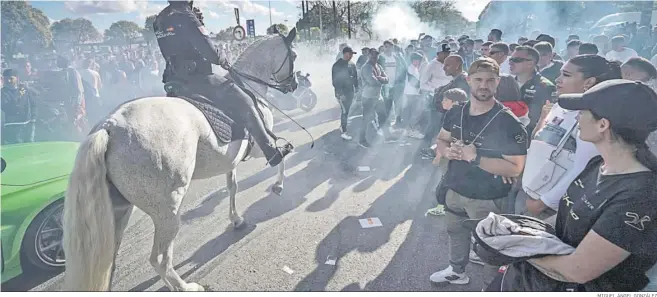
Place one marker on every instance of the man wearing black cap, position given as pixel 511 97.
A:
pixel 18 105
pixel 345 83
pixel 467 53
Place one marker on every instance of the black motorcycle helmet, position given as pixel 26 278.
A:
pixel 493 256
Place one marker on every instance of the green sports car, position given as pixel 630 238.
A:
pixel 34 179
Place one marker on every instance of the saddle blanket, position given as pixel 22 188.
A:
pixel 225 128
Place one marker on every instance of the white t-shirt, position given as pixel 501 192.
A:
pixel 654 61
pixel 583 154
pixel 504 67
pixel 390 66
pixel 409 88
pixel 623 56
pixel 433 76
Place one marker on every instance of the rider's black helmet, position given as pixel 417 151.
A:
pixel 181 2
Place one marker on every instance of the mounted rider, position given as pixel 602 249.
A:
pixel 189 54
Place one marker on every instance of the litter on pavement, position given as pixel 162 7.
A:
pixel 370 223
pixel 364 168
pixel 330 261
pixel 288 269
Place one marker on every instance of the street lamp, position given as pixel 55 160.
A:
pixel 270 23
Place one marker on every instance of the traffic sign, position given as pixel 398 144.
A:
pixel 238 33
pixel 250 28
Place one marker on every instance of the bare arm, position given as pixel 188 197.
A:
pixel 535 206
pixel 593 257
pixel 444 141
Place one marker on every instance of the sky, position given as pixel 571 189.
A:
pixel 218 14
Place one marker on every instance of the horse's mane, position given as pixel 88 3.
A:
pixel 253 46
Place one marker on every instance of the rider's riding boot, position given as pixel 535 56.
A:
pixel 256 127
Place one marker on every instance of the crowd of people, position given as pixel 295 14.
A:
pixel 59 96
pixel 519 127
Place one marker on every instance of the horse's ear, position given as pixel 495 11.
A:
pixel 291 36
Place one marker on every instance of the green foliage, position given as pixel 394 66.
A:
pixel 24 28
pixel 280 28
pixel 74 31
pixel 122 32
pixel 441 15
pixel 361 16
pixel 148 32
pixel 225 34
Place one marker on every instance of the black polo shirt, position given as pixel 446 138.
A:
pixel 505 135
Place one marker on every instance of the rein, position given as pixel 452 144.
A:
pixel 235 74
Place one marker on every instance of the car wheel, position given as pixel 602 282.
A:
pixel 42 244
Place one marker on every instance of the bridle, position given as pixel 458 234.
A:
pixel 284 85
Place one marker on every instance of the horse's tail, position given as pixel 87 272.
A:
pixel 89 219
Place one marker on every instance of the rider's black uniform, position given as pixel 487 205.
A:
pixel 189 54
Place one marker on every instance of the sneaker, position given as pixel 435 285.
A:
pixel 364 144
pixel 416 134
pixel 428 153
pixel 346 136
pixel 448 275
pixel 436 211
pixel 391 139
pixel 474 259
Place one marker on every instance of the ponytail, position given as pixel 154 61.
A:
pixel 598 67
pixel 646 157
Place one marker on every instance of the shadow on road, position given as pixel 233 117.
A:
pixel 28 280
pixel 298 186
pixel 398 204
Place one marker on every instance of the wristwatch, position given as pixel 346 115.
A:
pixel 476 160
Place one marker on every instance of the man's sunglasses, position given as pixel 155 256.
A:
pixel 494 52
pixel 519 60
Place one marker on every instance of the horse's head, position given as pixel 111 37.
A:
pixel 283 57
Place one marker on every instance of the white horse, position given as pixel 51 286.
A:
pixel 145 154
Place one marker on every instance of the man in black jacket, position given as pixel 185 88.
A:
pixel 344 76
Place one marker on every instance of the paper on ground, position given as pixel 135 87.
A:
pixel 288 270
pixel 364 168
pixel 370 223
pixel 330 261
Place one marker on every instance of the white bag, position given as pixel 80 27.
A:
pixel 548 161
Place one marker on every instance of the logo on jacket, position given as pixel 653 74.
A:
pixel 635 222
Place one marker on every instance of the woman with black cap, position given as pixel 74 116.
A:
pixel 609 213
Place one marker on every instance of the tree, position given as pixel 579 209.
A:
pixel 225 34
pixel 361 13
pixel 75 31
pixel 24 28
pixel 148 32
pixel 277 28
pixel 123 32
pixel 441 15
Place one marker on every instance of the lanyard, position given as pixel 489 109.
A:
pixel 482 129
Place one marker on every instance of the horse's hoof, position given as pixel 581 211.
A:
pixel 193 287
pixel 239 223
pixel 277 189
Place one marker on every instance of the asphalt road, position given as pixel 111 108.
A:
pixel 314 220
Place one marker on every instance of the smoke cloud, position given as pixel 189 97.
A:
pixel 398 21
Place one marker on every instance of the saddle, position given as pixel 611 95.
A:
pixel 225 128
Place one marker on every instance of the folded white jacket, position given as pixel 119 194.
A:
pixel 511 239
